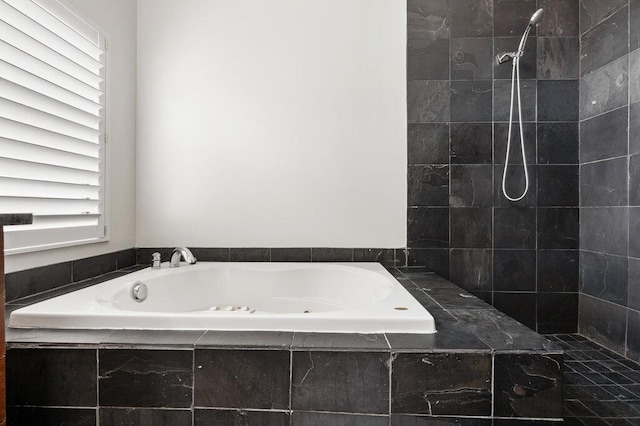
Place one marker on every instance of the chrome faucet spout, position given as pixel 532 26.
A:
pixel 181 253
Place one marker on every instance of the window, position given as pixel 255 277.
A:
pixel 52 125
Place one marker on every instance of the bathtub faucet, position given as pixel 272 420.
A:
pixel 179 253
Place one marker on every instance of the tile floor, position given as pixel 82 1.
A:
pixel 600 386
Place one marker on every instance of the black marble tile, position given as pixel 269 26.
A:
pixel 514 270
pixel 240 418
pixel 144 417
pixel 634 128
pixel 604 89
pixel 502 332
pixel 634 286
pixel 471 18
pixel 558 58
pixel 471 185
pixel 428 185
pixel 416 420
pixel 302 418
pixel 385 257
pixel 427 40
pixel 604 230
pixel 125 258
pixel 471 101
pixel 512 16
pixel 435 260
pixel 428 227
pixel 36 280
pixel 339 342
pixel 604 276
pixel 428 101
pixel 427 59
pixel 211 254
pixel 515 186
pixel 245 340
pixel 592 12
pixel 145 378
pixel 634 76
pixel 634 232
pixel 340 382
pixel 558 143
pixel 41 377
pixel 249 254
pixel 291 254
pixel 46 416
pixel 152 338
pixel 242 378
pixel 633 335
pixel 634 25
pixel 605 42
pixel 331 254
pixel 428 143
pixel 519 306
pixel 93 266
pixel 611 127
pixel 472 58
pixel 451 335
pixel 502 97
pixel 471 143
pixel 557 312
pixel 471 227
pixel 515 153
pixel 441 384
pixel 558 228
pixel 514 227
pixel 528 385
pixel 39 337
pixel 558 100
pixel 558 186
pixel 603 322
pixel 561 18
pixel 528 61
pixel 472 269
pixel 634 180
pixel 557 270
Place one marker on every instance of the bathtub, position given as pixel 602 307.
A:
pixel 317 297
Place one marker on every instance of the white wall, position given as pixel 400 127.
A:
pixel 117 18
pixel 277 123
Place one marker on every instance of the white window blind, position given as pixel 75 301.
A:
pixel 52 125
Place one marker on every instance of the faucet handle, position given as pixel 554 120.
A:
pixel 156 259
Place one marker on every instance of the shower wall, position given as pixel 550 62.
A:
pixel 521 257
pixel 610 174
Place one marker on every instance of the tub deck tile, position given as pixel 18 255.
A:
pixel 245 340
pixel 152 338
pixel 339 342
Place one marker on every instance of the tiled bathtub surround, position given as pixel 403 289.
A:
pixel 480 365
pixel 521 257
pixel 48 278
pixel 609 174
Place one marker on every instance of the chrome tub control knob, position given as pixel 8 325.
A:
pixel 139 291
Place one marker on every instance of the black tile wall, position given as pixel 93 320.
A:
pixel 340 382
pixel 459 384
pixel 47 372
pixel 241 379
pixel 609 138
pixel 145 378
pixel 457 136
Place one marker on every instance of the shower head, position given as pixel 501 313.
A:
pixel 536 17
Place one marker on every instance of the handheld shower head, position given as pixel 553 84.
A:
pixel 536 17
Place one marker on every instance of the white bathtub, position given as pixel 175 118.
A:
pixel 318 297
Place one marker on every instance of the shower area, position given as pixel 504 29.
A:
pixel 564 258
